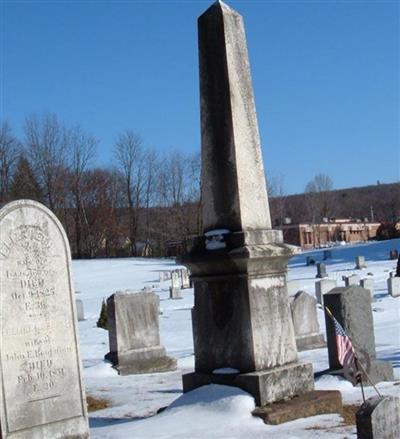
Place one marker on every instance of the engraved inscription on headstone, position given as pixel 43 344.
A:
pixel 41 392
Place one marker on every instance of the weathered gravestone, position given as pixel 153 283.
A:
pixel 241 316
pixel 185 282
pixel 305 322
pixel 41 392
pixel 351 307
pixel 79 310
pixel 393 284
pixel 379 418
pixel 175 279
pixel 175 293
pixel 353 279
pixel 323 286
pixel 176 283
pixel 360 262
pixel 368 284
pixel 321 270
pixel 134 335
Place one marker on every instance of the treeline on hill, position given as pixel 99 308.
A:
pixel 377 203
pixel 143 202
pixel 131 207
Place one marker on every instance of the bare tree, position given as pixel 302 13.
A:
pixel 130 158
pixel 319 197
pixel 319 201
pixel 179 192
pixel 82 147
pixel 99 192
pixel 276 193
pixel 46 142
pixel 9 152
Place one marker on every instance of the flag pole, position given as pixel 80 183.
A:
pixel 359 377
pixel 369 379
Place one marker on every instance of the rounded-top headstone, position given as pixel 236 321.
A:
pixel 379 418
pixel 41 392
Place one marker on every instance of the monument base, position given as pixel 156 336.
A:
pixel 314 341
pixel 137 361
pixel 378 371
pixel 381 371
pixel 266 386
pixel 317 402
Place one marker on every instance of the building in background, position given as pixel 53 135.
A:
pixel 327 233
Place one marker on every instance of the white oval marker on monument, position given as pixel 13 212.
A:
pixel 41 394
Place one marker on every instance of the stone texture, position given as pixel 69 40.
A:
pixel 176 279
pixel 368 284
pixel 305 322
pixel 393 284
pixel 266 386
pixel 379 418
pixel 241 316
pixel 353 279
pixel 79 310
pixel 321 270
pixel 134 336
pixel 185 282
pixel 360 262
pixel 313 403
pixel 233 181
pixel 351 306
pixel 323 286
pixel 41 393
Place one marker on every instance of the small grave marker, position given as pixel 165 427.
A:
pixel 134 335
pixel 379 418
pixel 393 284
pixel 305 322
pixel 79 310
pixel 368 284
pixel 360 262
pixel 353 279
pixel 323 286
pixel 321 270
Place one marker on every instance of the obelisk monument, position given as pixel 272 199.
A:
pixel 241 315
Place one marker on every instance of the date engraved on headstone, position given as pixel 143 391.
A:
pixel 39 359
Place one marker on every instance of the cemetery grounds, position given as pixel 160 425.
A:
pixel 216 411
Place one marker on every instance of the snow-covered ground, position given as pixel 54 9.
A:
pixel 215 411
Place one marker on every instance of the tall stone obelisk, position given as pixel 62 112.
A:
pixel 241 315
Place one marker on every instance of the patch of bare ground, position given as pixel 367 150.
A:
pixel 348 414
pixel 94 403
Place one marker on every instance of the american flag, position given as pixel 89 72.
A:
pixel 344 346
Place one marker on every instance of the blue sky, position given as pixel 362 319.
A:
pixel 326 76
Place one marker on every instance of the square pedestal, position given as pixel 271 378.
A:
pixel 265 386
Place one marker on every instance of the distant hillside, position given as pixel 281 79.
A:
pixel 381 202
